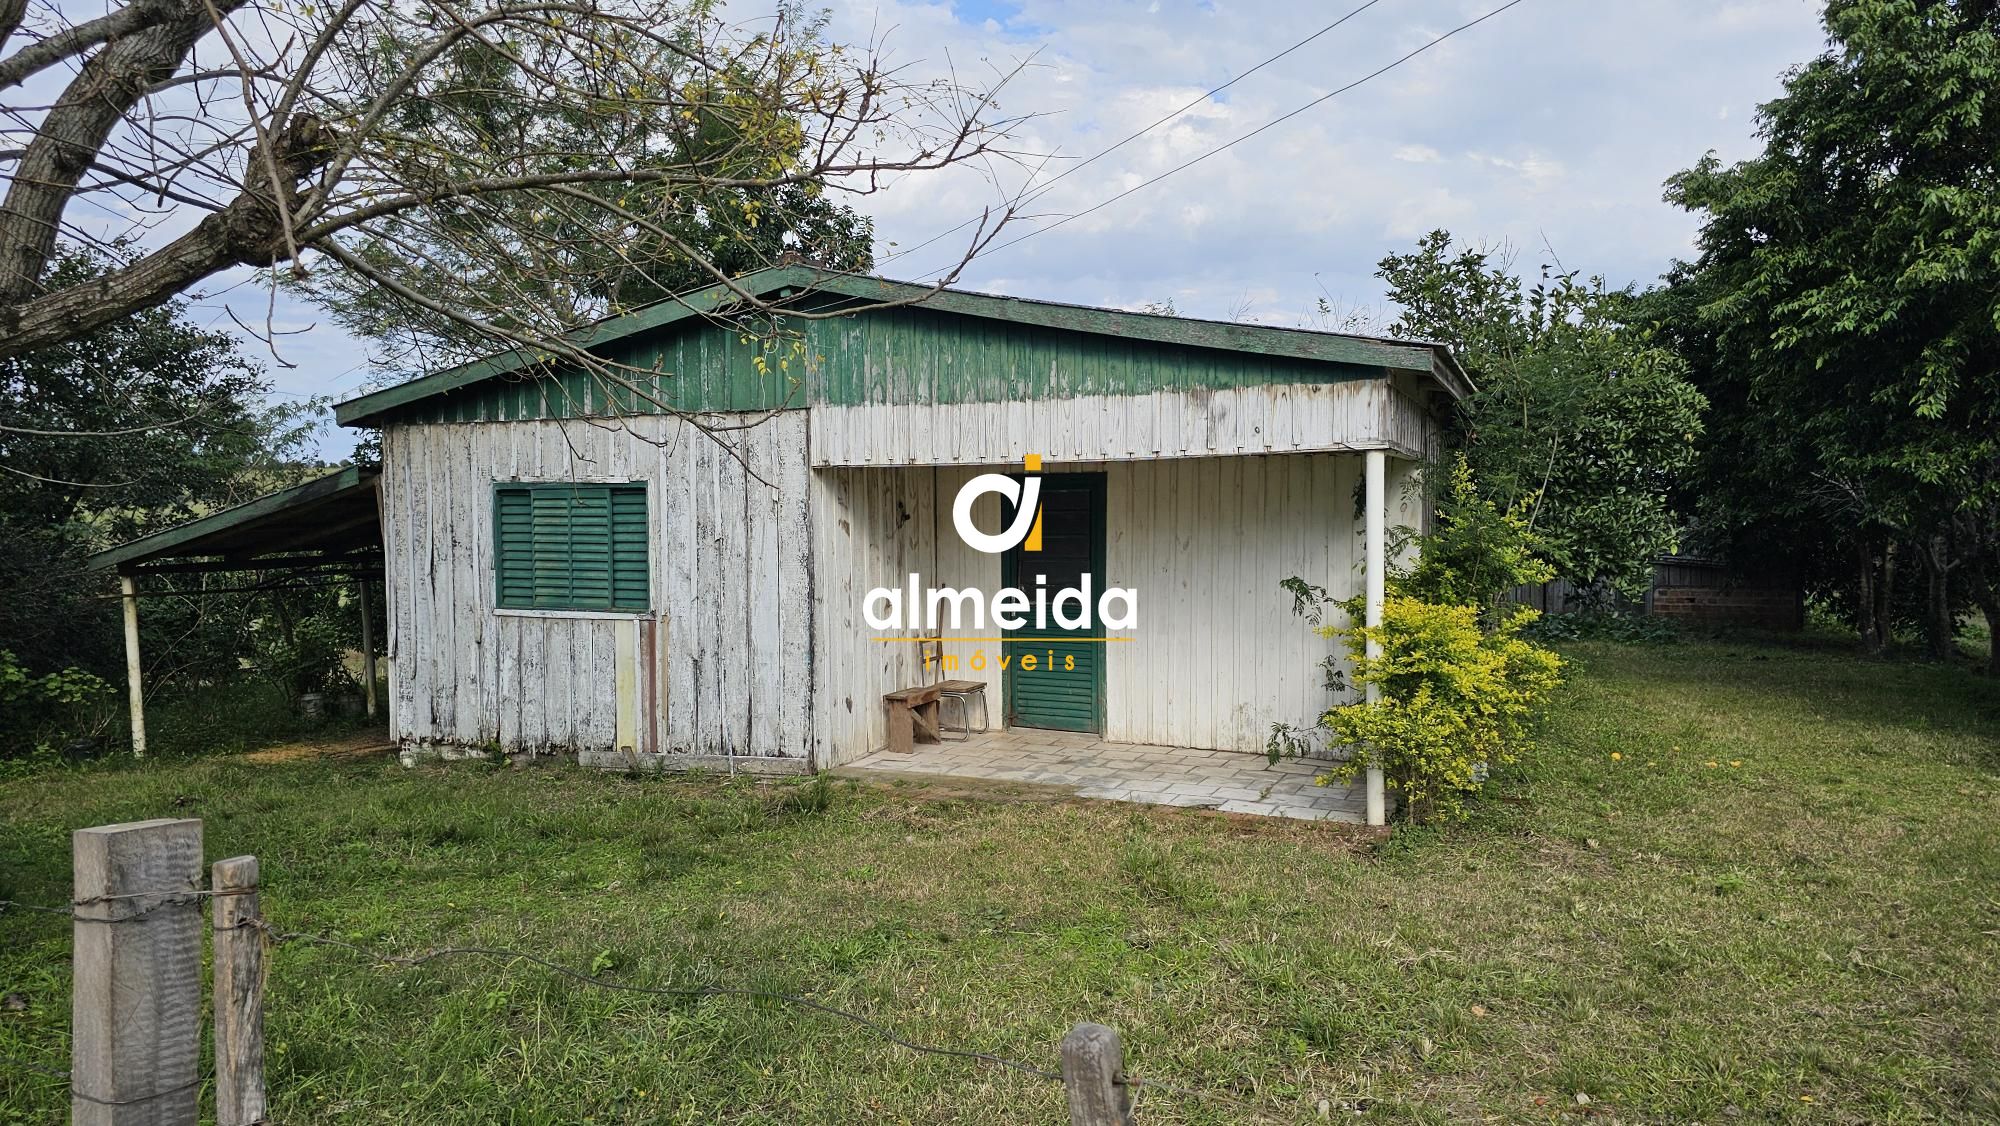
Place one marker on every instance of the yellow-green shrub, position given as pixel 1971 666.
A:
pixel 1453 698
pixel 1476 551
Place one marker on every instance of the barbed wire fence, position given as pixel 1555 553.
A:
pixel 135 1046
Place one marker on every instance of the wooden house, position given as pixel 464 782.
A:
pixel 677 575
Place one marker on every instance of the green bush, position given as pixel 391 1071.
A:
pixel 304 655
pixel 1458 685
pixel 1477 551
pixel 1454 698
pixel 1602 625
pixel 40 714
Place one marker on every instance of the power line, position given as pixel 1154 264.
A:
pixel 1101 153
pixel 1226 145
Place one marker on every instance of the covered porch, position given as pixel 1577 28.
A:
pixel 1226 781
pixel 1197 476
pixel 1174 707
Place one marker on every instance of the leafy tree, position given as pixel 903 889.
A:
pixel 1845 314
pixel 145 423
pixel 518 145
pixel 1579 417
pixel 616 245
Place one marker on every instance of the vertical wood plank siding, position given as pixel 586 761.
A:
pixel 1219 656
pixel 906 356
pixel 744 665
pixel 865 534
pixel 875 528
pixel 1272 419
pixel 959 566
pixel 730 571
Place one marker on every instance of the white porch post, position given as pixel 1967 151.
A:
pixel 135 692
pixel 1376 509
pixel 367 647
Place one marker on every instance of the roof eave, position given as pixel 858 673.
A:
pixel 1433 360
pixel 1451 374
pixel 362 409
pixel 159 544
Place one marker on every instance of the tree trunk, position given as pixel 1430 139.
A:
pixel 1986 594
pixel 1991 608
pixel 1940 632
pixel 11 12
pixel 73 133
pixel 148 281
pixel 1885 597
pixel 1874 637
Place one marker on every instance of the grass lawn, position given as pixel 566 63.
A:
pixel 1780 900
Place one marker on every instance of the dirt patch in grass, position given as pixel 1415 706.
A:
pixel 1329 836
pixel 353 747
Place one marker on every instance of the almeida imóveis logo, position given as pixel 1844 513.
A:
pixel 1012 608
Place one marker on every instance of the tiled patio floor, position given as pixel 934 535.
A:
pixel 1225 780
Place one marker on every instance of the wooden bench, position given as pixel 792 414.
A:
pixel 913 717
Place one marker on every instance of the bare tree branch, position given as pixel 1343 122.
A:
pixel 38 56
pixel 70 135
pixel 503 172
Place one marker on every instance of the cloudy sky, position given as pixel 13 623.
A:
pixel 1552 124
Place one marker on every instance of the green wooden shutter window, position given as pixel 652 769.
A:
pixel 571 547
pixel 629 570
pixel 513 520
pixel 590 549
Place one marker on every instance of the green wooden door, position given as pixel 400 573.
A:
pixel 1064 688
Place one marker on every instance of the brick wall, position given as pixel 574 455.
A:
pixel 1764 608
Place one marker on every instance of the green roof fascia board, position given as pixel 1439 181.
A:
pixel 1434 360
pixel 359 410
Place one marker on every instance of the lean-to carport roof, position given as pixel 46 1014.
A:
pixel 333 521
pixel 863 293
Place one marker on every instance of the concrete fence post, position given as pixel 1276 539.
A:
pixel 239 994
pixel 1093 1068
pixel 136 997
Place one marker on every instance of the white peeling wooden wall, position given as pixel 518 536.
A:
pixel 871 529
pixel 874 528
pixel 737 662
pixel 1357 414
pixel 1219 656
pixel 728 670
pixel 959 566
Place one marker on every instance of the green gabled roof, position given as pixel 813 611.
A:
pixel 794 283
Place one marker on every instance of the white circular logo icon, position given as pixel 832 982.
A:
pixel 1026 496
